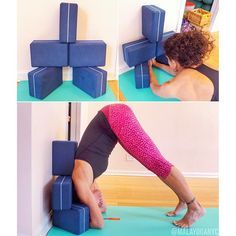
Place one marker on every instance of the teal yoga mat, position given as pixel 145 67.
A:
pixel 66 92
pixel 150 221
pixel 127 86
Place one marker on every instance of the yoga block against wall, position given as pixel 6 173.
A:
pixel 48 53
pixel 85 53
pixel 62 193
pixel 44 80
pixel 138 52
pixel 75 220
pixel 68 22
pixel 160 45
pixel 91 80
pixel 142 78
pixel 63 153
pixel 153 19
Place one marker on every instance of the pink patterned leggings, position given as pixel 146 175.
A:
pixel 135 140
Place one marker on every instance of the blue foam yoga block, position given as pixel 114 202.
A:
pixel 138 52
pixel 75 220
pixel 142 78
pixel 62 193
pixel 87 53
pixel 91 80
pixel 43 80
pixel 160 45
pixel 48 53
pixel 63 153
pixel 153 19
pixel 68 22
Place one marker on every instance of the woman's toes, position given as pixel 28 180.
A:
pixel 175 223
pixel 171 213
pixel 178 223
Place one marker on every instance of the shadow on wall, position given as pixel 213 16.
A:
pixel 82 24
pixel 47 195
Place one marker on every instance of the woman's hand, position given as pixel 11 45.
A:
pixel 100 200
pixel 153 62
pixel 150 63
pixel 96 224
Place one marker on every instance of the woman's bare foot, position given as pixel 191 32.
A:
pixel 100 200
pixel 181 206
pixel 194 213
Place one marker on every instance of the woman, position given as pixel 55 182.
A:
pixel 192 81
pixel 117 123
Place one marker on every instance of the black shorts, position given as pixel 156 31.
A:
pixel 96 144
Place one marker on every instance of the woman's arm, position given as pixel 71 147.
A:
pixel 98 196
pixel 82 178
pixel 85 195
pixel 164 67
pixel 164 90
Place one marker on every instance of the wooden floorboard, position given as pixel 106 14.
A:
pixel 150 191
pixel 114 87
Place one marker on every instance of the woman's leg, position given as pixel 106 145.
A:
pixel 177 183
pixel 136 142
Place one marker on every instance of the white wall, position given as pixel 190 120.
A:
pixel 130 20
pixel 38 125
pixel 40 20
pixel 185 133
pixel 24 200
pixel 215 26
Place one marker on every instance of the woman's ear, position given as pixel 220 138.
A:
pixel 173 65
pixel 176 66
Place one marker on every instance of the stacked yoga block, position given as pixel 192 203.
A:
pixel 83 55
pixel 68 213
pixel 137 53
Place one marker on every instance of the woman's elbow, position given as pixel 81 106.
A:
pixel 154 88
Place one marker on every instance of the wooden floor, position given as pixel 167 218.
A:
pixel 150 191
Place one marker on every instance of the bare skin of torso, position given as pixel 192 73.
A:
pixel 88 192
pixel 187 84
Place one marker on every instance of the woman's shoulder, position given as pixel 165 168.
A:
pixel 193 75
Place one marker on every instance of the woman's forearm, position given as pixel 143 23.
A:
pixel 85 195
pixel 164 67
pixel 153 80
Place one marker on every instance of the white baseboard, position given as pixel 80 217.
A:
pixel 149 173
pixel 42 229
pixel 22 75
pixel 124 68
pixel 45 226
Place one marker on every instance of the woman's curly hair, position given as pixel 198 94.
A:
pixel 189 48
